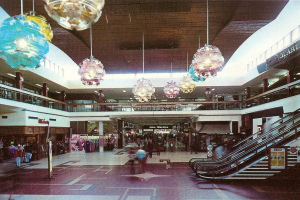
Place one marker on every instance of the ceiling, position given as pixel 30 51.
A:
pixel 171 29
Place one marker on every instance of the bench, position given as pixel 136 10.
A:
pixel 168 162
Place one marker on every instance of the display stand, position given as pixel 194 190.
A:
pixel 50 169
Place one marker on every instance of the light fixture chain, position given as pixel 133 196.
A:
pixel 143 55
pixel 33 8
pixel 21 7
pixel 91 40
pixel 207 22
pixel 171 69
pixel 187 61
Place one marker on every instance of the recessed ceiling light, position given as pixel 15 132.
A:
pixel 124 90
pixel 9 74
pixel 38 85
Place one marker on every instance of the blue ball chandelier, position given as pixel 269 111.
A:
pixel 22 44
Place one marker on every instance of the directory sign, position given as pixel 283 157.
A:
pixel 277 158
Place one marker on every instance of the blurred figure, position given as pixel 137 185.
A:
pixel 142 159
pixel 150 147
pixel 18 155
pixel 28 154
pixel 132 157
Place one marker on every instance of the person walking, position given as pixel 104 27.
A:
pixel 18 155
pixel 28 154
pixel 150 147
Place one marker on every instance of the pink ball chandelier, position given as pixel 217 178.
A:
pixel 171 90
pixel 207 61
pixel 91 71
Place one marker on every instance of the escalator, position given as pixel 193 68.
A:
pixel 249 152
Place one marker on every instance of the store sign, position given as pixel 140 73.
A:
pixel 43 121
pixel 157 127
pixel 277 158
pixel 298 154
pixel 280 57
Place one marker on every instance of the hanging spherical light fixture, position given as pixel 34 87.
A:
pixel 143 90
pixel 71 14
pixel 22 44
pixel 187 85
pixel 171 90
pixel 208 60
pixel 194 75
pixel 45 27
pixel 91 70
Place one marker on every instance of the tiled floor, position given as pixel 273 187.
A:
pixel 79 175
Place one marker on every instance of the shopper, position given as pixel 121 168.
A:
pixel 132 157
pixel 18 155
pixel 28 154
pixel 150 147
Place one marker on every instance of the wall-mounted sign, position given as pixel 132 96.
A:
pixel 277 158
pixel 298 154
pixel 43 121
pixel 157 127
pixel 284 55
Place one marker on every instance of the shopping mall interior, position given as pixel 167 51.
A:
pixel 149 99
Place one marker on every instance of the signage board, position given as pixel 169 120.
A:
pixel 277 158
pixel 157 127
pixel 50 172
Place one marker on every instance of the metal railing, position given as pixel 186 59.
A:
pixel 11 93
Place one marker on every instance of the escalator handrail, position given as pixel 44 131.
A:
pixel 240 150
pixel 246 145
pixel 250 152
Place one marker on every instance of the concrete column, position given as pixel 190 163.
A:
pixel 101 137
pixel 63 99
pixel 248 92
pixel 19 85
pixel 120 133
pixel 100 100
pixel 45 90
pixel 265 84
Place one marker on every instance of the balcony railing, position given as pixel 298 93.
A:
pixel 11 93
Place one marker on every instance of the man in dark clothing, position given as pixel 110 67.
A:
pixel 150 147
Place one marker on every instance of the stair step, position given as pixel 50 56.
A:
pixel 248 178
pixel 251 175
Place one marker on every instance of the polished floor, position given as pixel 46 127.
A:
pixel 107 176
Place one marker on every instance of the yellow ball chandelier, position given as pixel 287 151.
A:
pixel 187 85
pixel 74 14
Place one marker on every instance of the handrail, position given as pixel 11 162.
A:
pixel 215 105
pixel 273 90
pixel 31 94
pixel 249 143
pixel 243 154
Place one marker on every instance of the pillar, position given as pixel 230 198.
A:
pixel 45 93
pixel 120 133
pixel 63 99
pixel 19 85
pixel 207 94
pixel 248 92
pixel 101 137
pixel 100 100
pixel 265 85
